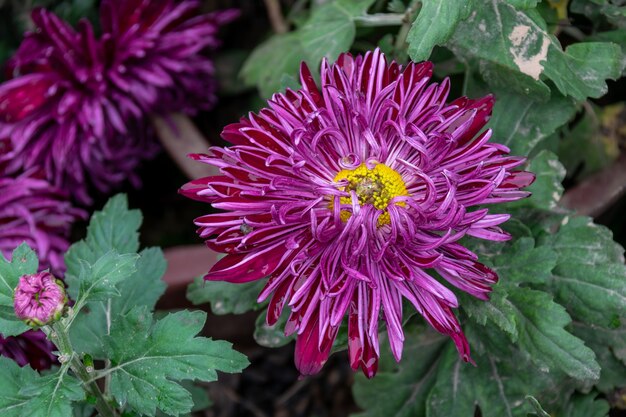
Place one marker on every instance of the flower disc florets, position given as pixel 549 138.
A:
pixel 39 299
pixel 376 186
pixel 350 195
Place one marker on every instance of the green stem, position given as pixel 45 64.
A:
pixel 58 334
pixel 72 312
pixel 276 16
pixel 107 363
pixel 379 19
pixel 407 21
pixel 402 34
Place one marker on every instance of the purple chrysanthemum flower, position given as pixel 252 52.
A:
pixel 346 196
pixel 39 299
pixel 78 107
pixel 158 47
pixel 30 348
pixel 33 211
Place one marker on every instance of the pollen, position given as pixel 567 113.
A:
pixel 376 186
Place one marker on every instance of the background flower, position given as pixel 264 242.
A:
pixel 157 49
pixel 345 196
pixel 78 107
pixel 33 211
pixel 30 348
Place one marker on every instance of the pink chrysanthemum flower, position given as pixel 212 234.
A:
pixel 79 106
pixel 346 196
pixel 33 211
pixel 39 299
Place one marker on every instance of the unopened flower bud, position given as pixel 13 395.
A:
pixel 39 299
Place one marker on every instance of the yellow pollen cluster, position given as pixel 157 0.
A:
pixel 376 186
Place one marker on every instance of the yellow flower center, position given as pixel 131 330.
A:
pixel 376 186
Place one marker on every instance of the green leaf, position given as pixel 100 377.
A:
pixel 12 327
pixel 519 261
pixel 400 390
pixel 522 262
pixel 52 395
pixel 498 388
pixel 113 276
pixel 23 392
pixel 547 189
pixel 144 369
pixel 226 297
pixel 612 10
pixel 594 142
pixel 434 25
pixel 288 81
pixel 23 262
pixel 498 310
pixel 616 36
pixel 581 71
pixel 498 33
pixel 143 288
pixel 508 81
pixel 272 336
pixel 522 123
pixel 108 253
pixel 530 317
pixel 541 324
pixel 610 348
pixel 12 403
pixel 585 406
pixel 98 281
pixel 523 4
pixel 113 228
pixel 329 31
pixel 433 381
pixel 281 54
pixel 199 396
pixel 590 276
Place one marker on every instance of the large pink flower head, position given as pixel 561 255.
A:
pixel 78 106
pixel 347 196
pixel 33 211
